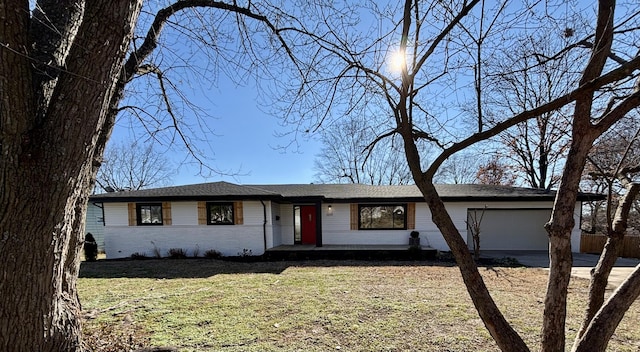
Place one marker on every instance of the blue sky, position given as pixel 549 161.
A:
pixel 245 142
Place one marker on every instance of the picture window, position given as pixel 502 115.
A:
pixel 382 217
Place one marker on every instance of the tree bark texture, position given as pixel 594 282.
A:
pixel 499 328
pixel 604 324
pixel 497 325
pixel 600 274
pixel 49 128
pixel 560 257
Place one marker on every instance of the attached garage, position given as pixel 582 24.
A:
pixel 511 229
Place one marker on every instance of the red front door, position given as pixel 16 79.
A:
pixel 308 224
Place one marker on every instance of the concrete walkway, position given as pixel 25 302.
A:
pixel 582 263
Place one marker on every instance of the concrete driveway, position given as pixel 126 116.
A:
pixel 582 263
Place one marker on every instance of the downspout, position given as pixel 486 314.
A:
pixel 101 206
pixel 264 225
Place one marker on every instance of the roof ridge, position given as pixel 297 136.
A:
pixel 257 187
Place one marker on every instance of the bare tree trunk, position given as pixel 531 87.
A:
pixel 61 80
pixel 600 278
pixel 600 274
pixel 559 228
pixel 499 328
pixel 473 225
pixel 598 334
pixel 46 175
pixel 561 224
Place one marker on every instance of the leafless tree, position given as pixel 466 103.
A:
pixel 461 168
pixel 615 151
pixel 130 166
pixel 64 70
pixel 474 224
pixel 527 77
pixel 593 215
pixel 347 157
pixel 616 161
pixel 416 104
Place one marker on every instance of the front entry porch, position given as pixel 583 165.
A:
pixel 360 252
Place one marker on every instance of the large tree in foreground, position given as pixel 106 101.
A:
pixel 63 73
pixel 418 104
pixel 54 107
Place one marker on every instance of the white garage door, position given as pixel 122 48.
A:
pixel 512 229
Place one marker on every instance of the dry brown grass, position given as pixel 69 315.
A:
pixel 211 305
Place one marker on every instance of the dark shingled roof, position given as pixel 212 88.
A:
pixel 329 192
pixel 196 191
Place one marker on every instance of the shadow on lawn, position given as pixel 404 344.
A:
pixel 202 268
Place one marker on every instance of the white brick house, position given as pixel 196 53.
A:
pixel 235 219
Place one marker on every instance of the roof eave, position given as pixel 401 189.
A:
pixel 183 198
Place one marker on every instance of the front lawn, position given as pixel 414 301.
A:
pixel 212 305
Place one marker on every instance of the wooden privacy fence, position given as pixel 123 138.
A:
pixel 595 243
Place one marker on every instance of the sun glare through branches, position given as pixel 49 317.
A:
pixel 397 61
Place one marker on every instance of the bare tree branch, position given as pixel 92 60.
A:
pixel 586 88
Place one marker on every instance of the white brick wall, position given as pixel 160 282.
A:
pixel 122 240
pixel 230 240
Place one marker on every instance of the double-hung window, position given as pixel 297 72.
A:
pixel 220 214
pixel 149 213
pixel 382 217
